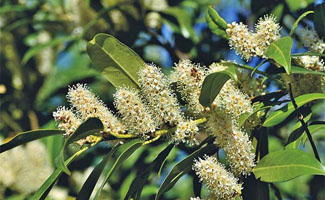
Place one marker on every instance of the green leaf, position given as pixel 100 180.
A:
pixel 285 165
pixel 301 70
pixel 22 138
pixel 123 156
pixel 92 179
pixel 216 24
pixel 213 83
pixel 139 182
pixel 89 127
pixel 117 62
pixel 296 132
pixel 319 19
pixel 183 167
pixel 308 53
pixel 294 27
pixel 37 49
pixel 313 129
pixel 280 51
pixel 276 117
pixel 184 21
pixel 45 188
pixel 243 117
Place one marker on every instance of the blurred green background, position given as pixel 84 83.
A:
pixel 43 50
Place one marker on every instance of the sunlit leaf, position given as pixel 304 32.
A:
pixel 276 117
pixel 117 62
pixel 216 24
pixel 45 188
pixel 89 127
pixel 213 83
pixel 22 138
pixel 123 156
pixel 285 165
pixel 89 185
pixel 280 51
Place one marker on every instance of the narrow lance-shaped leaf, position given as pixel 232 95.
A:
pixel 183 167
pixel 139 182
pixel 92 179
pixel 296 133
pixel 22 138
pixel 280 51
pixel 45 188
pixel 117 62
pixel 318 129
pixel 285 165
pixel 298 20
pixel 216 24
pixel 89 127
pixel 124 155
pixel 276 117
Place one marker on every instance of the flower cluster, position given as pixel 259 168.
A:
pixel 311 40
pixel 248 43
pixel 185 132
pixel 217 179
pixel 17 169
pixel 136 115
pixel 86 105
pixel 189 78
pixel 156 89
pixel 66 120
pixel 304 84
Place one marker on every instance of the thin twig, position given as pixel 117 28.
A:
pixel 303 123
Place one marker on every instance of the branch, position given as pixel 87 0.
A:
pixel 303 123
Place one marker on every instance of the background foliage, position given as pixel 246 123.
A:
pixel 43 49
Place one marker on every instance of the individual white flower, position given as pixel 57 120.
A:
pixel 218 180
pixel 136 115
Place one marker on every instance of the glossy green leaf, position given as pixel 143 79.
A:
pixel 319 19
pixel 278 116
pixel 45 188
pixel 245 116
pixel 309 53
pixel 295 25
pixel 301 70
pixel 296 132
pixel 216 24
pixel 213 83
pixel 37 49
pixel 123 156
pixel 183 167
pixel 89 127
pixel 117 62
pixel 280 51
pixel 139 182
pixel 314 129
pixel 92 179
pixel 28 136
pixel 285 165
